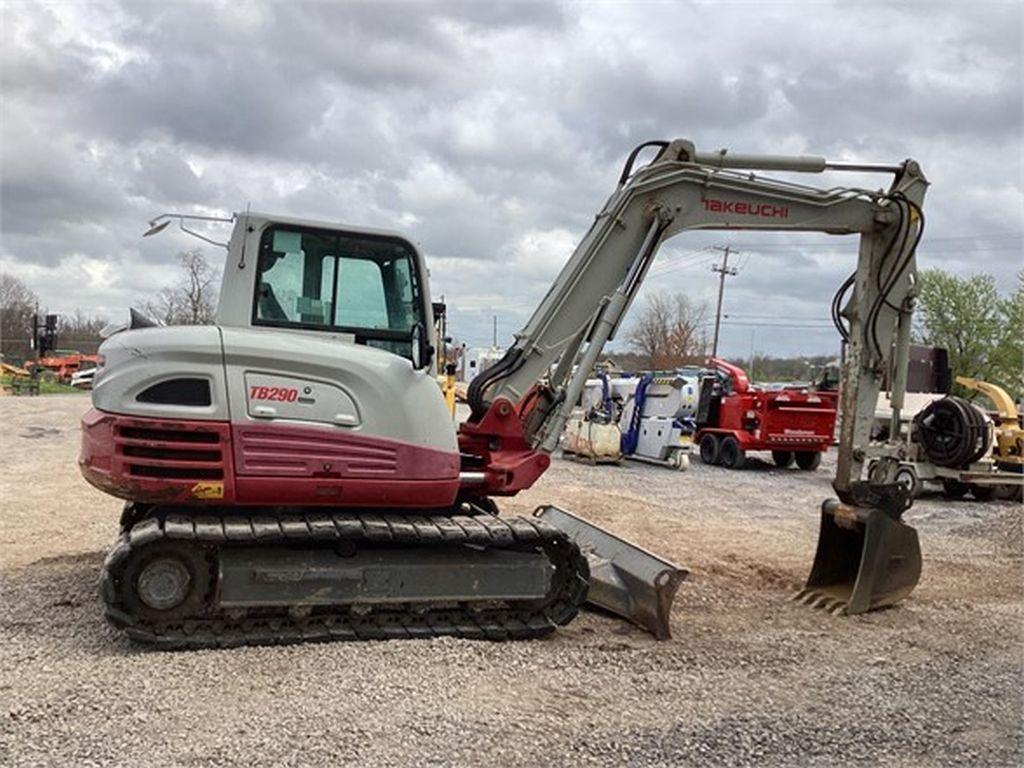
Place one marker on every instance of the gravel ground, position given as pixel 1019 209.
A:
pixel 750 678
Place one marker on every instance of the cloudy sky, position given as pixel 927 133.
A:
pixel 491 134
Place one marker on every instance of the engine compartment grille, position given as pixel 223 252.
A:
pixel 175 454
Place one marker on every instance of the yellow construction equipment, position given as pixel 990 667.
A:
pixel 1008 446
pixel 20 381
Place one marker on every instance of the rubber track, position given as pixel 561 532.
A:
pixel 570 580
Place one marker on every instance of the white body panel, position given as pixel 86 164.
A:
pixel 135 360
pixel 476 360
pixel 659 437
pixel 352 387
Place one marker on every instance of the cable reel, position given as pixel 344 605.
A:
pixel 952 432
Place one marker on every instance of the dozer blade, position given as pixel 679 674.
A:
pixel 624 579
pixel 866 559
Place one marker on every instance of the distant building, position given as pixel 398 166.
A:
pixel 475 360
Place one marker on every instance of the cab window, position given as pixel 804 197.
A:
pixel 296 279
pixel 362 285
pixel 361 299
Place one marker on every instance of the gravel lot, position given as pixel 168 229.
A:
pixel 749 678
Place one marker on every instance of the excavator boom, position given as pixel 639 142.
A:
pixel 517 422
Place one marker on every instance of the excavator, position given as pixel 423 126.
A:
pixel 291 473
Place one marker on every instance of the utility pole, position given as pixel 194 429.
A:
pixel 494 339
pixel 722 271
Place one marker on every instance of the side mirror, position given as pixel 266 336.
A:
pixel 422 349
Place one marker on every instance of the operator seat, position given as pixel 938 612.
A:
pixel 269 307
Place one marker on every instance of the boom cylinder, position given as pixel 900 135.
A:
pixel 797 163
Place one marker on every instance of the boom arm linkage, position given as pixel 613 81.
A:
pixel 681 190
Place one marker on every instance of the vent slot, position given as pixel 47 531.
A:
pixel 193 393
pixel 180 454
pixel 169 435
pixel 176 473
pixel 171 454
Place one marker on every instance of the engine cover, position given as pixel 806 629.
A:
pixel 205 414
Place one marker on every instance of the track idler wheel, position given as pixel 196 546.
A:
pixel 866 559
pixel 166 582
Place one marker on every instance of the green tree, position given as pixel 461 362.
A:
pixel 966 316
pixel 1008 356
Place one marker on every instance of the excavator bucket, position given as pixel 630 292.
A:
pixel 866 559
pixel 624 579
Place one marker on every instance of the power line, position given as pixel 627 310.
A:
pixel 678 267
pixel 676 262
pixel 823 325
pixel 760 324
pixel 746 316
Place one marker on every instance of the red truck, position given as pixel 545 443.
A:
pixel 734 417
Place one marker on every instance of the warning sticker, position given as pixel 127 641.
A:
pixel 208 490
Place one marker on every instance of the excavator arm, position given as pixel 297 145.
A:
pixel 520 405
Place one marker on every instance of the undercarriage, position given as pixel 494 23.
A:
pixel 257 576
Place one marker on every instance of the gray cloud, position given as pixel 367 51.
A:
pixel 491 133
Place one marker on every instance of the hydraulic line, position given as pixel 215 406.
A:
pixel 837 306
pixel 899 267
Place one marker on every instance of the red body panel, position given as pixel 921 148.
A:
pixel 508 462
pixel 209 462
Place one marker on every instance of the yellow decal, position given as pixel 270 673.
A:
pixel 208 490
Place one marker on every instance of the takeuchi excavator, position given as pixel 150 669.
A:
pixel 292 473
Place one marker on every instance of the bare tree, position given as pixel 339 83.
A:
pixel 670 331
pixel 193 300
pixel 17 304
pixel 165 307
pixel 198 288
pixel 80 332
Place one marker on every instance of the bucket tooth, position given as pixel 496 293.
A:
pixel 819 601
pixel 808 596
pixel 827 604
pixel 839 609
pixel 624 579
pixel 866 559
